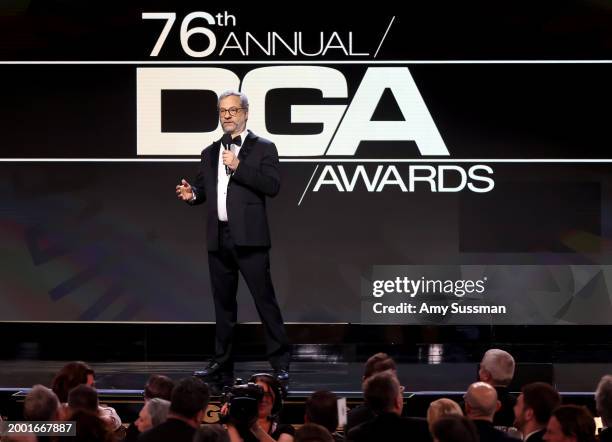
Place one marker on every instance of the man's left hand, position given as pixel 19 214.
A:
pixel 230 160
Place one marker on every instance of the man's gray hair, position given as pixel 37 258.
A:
pixel 158 410
pixel 244 101
pixel 603 400
pixel 41 404
pixel 500 365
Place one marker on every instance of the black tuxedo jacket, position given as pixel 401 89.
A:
pixel 389 427
pixel 605 435
pixel 488 433
pixel 173 430
pixel 536 437
pixel 256 177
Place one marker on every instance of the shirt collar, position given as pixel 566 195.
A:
pixel 532 433
pixel 243 135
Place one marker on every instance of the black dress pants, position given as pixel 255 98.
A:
pixel 254 265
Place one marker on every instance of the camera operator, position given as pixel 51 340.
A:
pixel 263 424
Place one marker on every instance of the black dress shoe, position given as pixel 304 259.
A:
pixel 213 370
pixel 281 375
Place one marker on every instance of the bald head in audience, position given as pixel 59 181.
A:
pixel 481 401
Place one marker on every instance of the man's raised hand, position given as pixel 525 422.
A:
pixel 184 191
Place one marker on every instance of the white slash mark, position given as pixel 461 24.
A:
pixel 308 185
pixel 384 36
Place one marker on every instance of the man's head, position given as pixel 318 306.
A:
pixel 153 413
pixel 313 433
pixel 83 397
pixel 233 107
pixel 440 408
pixel 378 363
pixel 383 393
pixel 603 400
pixel 570 423
pixel 534 406
pixel 481 401
pixel 496 368
pixel 158 386
pixel 41 404
pixel 190 399
pixel 322 409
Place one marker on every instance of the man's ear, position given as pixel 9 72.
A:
pixel 200 416
pixel 528 412
pixel 399 402
pixel 498 406
pixel 484 375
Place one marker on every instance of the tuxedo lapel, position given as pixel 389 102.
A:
pixel 247 144
pixel 214 160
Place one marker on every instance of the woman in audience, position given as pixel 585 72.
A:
pixel 440 408
pixel 71 375
pixel 267 427
pixel 570 423
pixel 78 373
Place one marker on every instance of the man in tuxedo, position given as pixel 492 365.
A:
pixel 187 410
pixel 497 369
pixel 236 175
pixel 533 408
pixel 376 363
pixel 481 403
pixel 384 395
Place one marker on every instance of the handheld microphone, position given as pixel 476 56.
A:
pixel 226 140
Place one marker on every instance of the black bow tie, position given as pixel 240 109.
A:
pixel 237 141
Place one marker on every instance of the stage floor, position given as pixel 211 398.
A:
pixel 306 377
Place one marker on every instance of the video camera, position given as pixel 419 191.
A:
pixel 243 402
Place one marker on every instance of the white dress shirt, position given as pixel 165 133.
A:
pixel 223 179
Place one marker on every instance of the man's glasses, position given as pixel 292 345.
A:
pixel 232 111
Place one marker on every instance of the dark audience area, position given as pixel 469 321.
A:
pixel 251 410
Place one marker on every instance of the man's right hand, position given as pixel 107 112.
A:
pixel 184 191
